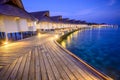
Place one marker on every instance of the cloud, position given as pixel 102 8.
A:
pixel 111 2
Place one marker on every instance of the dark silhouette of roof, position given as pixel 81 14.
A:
pixel 56 18
pixel 41 16
pixel 65 20
pixel 83 22
pixel 8 7
pixel 17 3
pixel 72 21
pixel 3 1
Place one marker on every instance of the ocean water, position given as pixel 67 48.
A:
pixel 99 47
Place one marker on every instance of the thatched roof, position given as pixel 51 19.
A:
pixel 45 19
pixel 10 9
pixel 65 20
pixel 3 1
pixel 42 16
pixel 56 18
pixel 72 21
pixel 17 3
pixel 83 22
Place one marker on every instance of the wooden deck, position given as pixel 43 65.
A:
pixel 42 59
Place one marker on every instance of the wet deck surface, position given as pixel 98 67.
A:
pixel 40 58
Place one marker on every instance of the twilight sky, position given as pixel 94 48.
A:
pixel 99 11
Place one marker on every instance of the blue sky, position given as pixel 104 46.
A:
pixel 99 11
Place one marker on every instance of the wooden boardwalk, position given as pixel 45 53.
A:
pixel 43 59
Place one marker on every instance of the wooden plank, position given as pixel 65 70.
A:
pixel 76 75
pixel 4 64
pixel 21 68
pixel 70 66
pixel 32 66
pixel 64 69
pixel 37 66
pixel 1 68
pixel 47 64
pixel 15 69
pixel 59 68
pixel 53 66
pixel 9 71
pixel 26 69
pixel 3 71
pixel 42 64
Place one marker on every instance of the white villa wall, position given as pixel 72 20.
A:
pixel 31 25
pixel 84 25
pixel 10 24
pixel 38 26
pixel 45 25
pixel 66 26
pixel 51 26
pixel 55 25
pixel 60 25
pixel 23 25
pixel 2 29
pixel 34 26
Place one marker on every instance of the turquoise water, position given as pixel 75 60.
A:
pixel 98 47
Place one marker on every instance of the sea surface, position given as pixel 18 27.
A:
pixel 99 47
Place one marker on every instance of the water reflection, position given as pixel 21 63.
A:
pixel 63 43
pixel 75 34
pixel 69 39
pixel 99 30
pixel 90 34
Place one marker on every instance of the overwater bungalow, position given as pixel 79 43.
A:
pixel 15 22
pixel 44 22
pixel 94 25
pixel 66 22
pixel 72 23
pixel 83 24
pixel 57 22
pixel 78 24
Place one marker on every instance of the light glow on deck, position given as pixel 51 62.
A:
pixel 39 35
pixel 5 42
pixel 56 36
